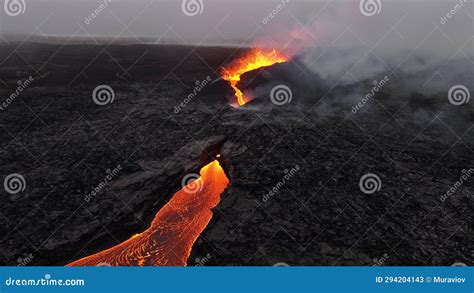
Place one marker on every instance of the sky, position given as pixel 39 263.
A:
pixel 401 24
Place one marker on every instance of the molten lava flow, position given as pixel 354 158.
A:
pixel 255 59
pixel 174 230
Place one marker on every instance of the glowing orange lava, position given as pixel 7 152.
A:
pixel 169 240
pixel 254 59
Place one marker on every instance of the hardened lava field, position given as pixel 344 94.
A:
pixel 294 171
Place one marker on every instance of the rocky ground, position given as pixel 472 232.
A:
pixel 65 145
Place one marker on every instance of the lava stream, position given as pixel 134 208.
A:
pixel 175 228
pixel 254 59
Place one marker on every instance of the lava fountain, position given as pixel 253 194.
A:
pixel 254 59
pixel 175 228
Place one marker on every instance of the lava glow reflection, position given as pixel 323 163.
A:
pixel 255 59
pixel 169 240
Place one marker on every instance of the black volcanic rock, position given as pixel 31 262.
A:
pixel 218 91
pixel 303 84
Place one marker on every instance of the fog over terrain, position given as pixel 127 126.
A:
pixel 231 21
pixel 414 37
